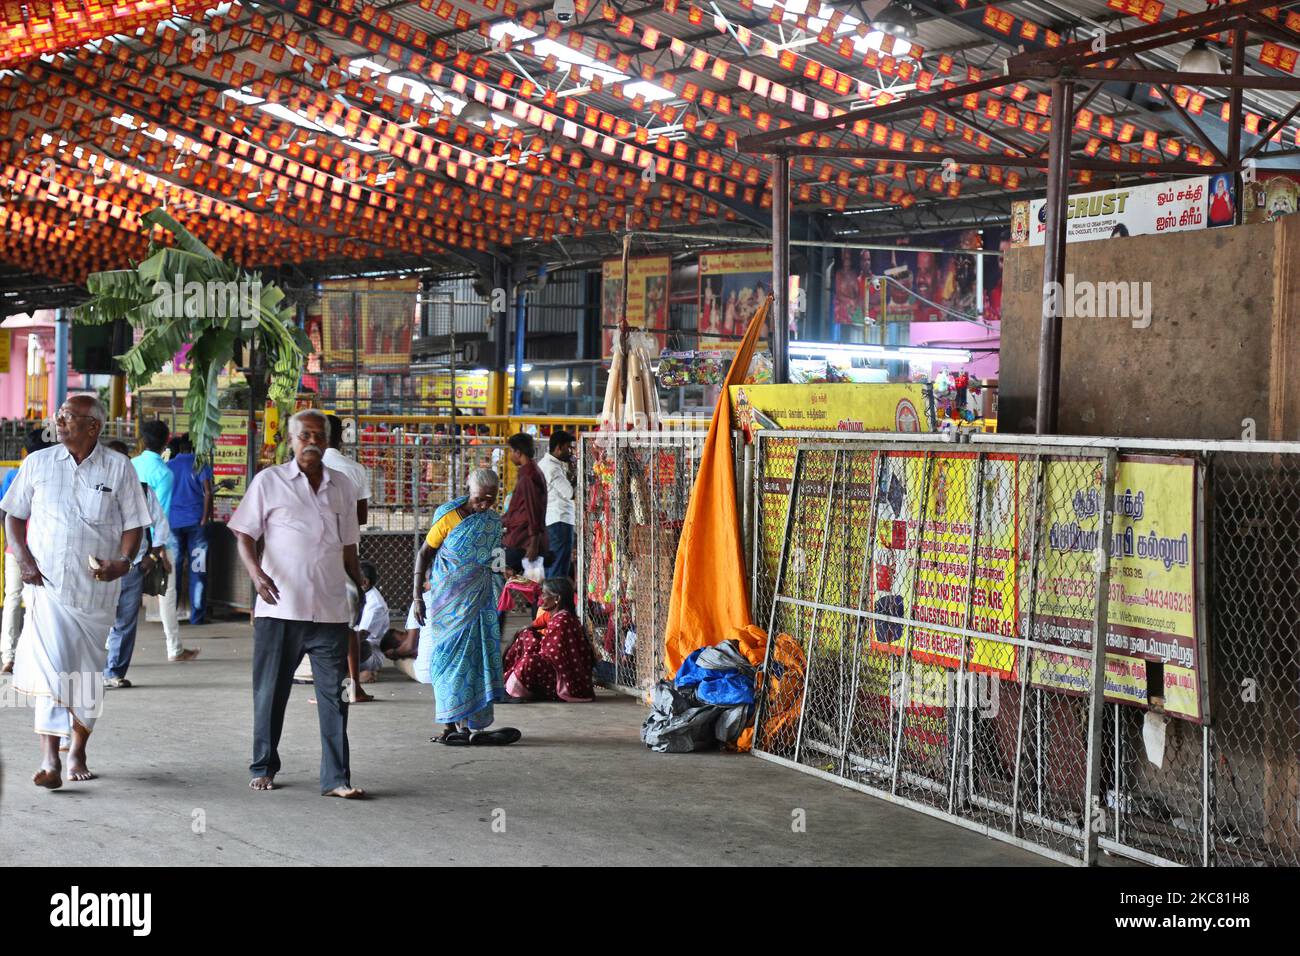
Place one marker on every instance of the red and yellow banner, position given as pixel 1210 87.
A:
pixel 647 297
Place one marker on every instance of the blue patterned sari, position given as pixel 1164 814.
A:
pixel 460 643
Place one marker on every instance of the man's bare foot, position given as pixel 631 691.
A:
pixel 8 668
pixel 262 783
pixel 347 793
pixel 187 654
pixel 362 696
pixel 48 777
pixel 77 769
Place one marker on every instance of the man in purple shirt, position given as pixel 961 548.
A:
pixel 307 517
pixel 524 523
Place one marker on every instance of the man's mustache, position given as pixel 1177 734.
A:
pixel 311 448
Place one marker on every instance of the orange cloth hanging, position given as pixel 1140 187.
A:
pixel 710 599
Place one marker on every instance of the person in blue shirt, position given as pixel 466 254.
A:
pixel 153 471
pixel 190 515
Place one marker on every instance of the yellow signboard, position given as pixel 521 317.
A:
pixel 471 389
pixel 919 582
pixel 230 456
pixel 847 407
pixel 844 407
pixel 1152 599
pixel 941 595
pixel 6 340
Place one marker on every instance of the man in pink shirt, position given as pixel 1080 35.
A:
pixel 306 515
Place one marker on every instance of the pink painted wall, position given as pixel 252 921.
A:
pixel 13 383
pixel 959 335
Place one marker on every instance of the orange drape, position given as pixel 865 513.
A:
pixel 710 600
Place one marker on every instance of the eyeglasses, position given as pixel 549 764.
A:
pixel 63 416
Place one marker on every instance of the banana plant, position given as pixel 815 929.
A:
pixel 186 293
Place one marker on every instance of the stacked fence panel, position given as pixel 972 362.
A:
pixel 901 593
pixel 633 495
pixel 936 609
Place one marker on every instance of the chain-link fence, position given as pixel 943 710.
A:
pixel 934 610
pixel 14 431
pixel 411 476
pixel 634 488
pixel 908 592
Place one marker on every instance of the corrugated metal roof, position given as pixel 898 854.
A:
pixel 960 33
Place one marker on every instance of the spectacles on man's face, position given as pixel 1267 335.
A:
pixel 67 416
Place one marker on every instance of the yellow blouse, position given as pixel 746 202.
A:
pixel 441 528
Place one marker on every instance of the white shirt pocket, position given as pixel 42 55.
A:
pixel 92 502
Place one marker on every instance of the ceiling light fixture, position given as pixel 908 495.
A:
pixel 832 350
pixel 1200 59
pixel 474 112
pixel 896 20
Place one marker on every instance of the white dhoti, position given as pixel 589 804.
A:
pixel 60 661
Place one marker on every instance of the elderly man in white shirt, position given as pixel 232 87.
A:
pixel 306 514
pixel 87 513
pixel 335 460
pixel 559 503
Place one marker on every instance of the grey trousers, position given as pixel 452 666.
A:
pixel 278 647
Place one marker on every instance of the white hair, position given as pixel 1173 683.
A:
pixel 483 479
pixel 95 408
pixel 295 423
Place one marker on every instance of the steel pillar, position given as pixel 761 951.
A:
pixel 1058 185
pixel 500 318
pixel 521 328
pixel 62 325
pixel 780 316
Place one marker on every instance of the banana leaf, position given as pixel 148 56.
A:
pixel 210 322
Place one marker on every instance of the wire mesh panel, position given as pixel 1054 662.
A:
pixel 940 607
pixel 937 615
pixel 14 432
pixel 596 517
pixel 412 474
pixel 1253 767
pixel 1035 761
pixel 634 489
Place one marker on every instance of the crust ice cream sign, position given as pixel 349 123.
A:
pixel 1156 208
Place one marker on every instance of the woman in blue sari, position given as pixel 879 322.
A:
pixel 460 637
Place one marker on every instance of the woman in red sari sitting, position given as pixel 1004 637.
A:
pixel 550 659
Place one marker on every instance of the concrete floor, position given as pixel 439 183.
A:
pixel 172 755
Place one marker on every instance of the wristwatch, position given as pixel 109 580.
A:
pixel 125 557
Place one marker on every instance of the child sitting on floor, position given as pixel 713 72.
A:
pixel 373 626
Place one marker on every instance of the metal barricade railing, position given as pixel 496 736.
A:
pixel 1178 744
pixel 903 631
pixel 411 476
pixel 634 488
pixel 14 431
pixel 1252 750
